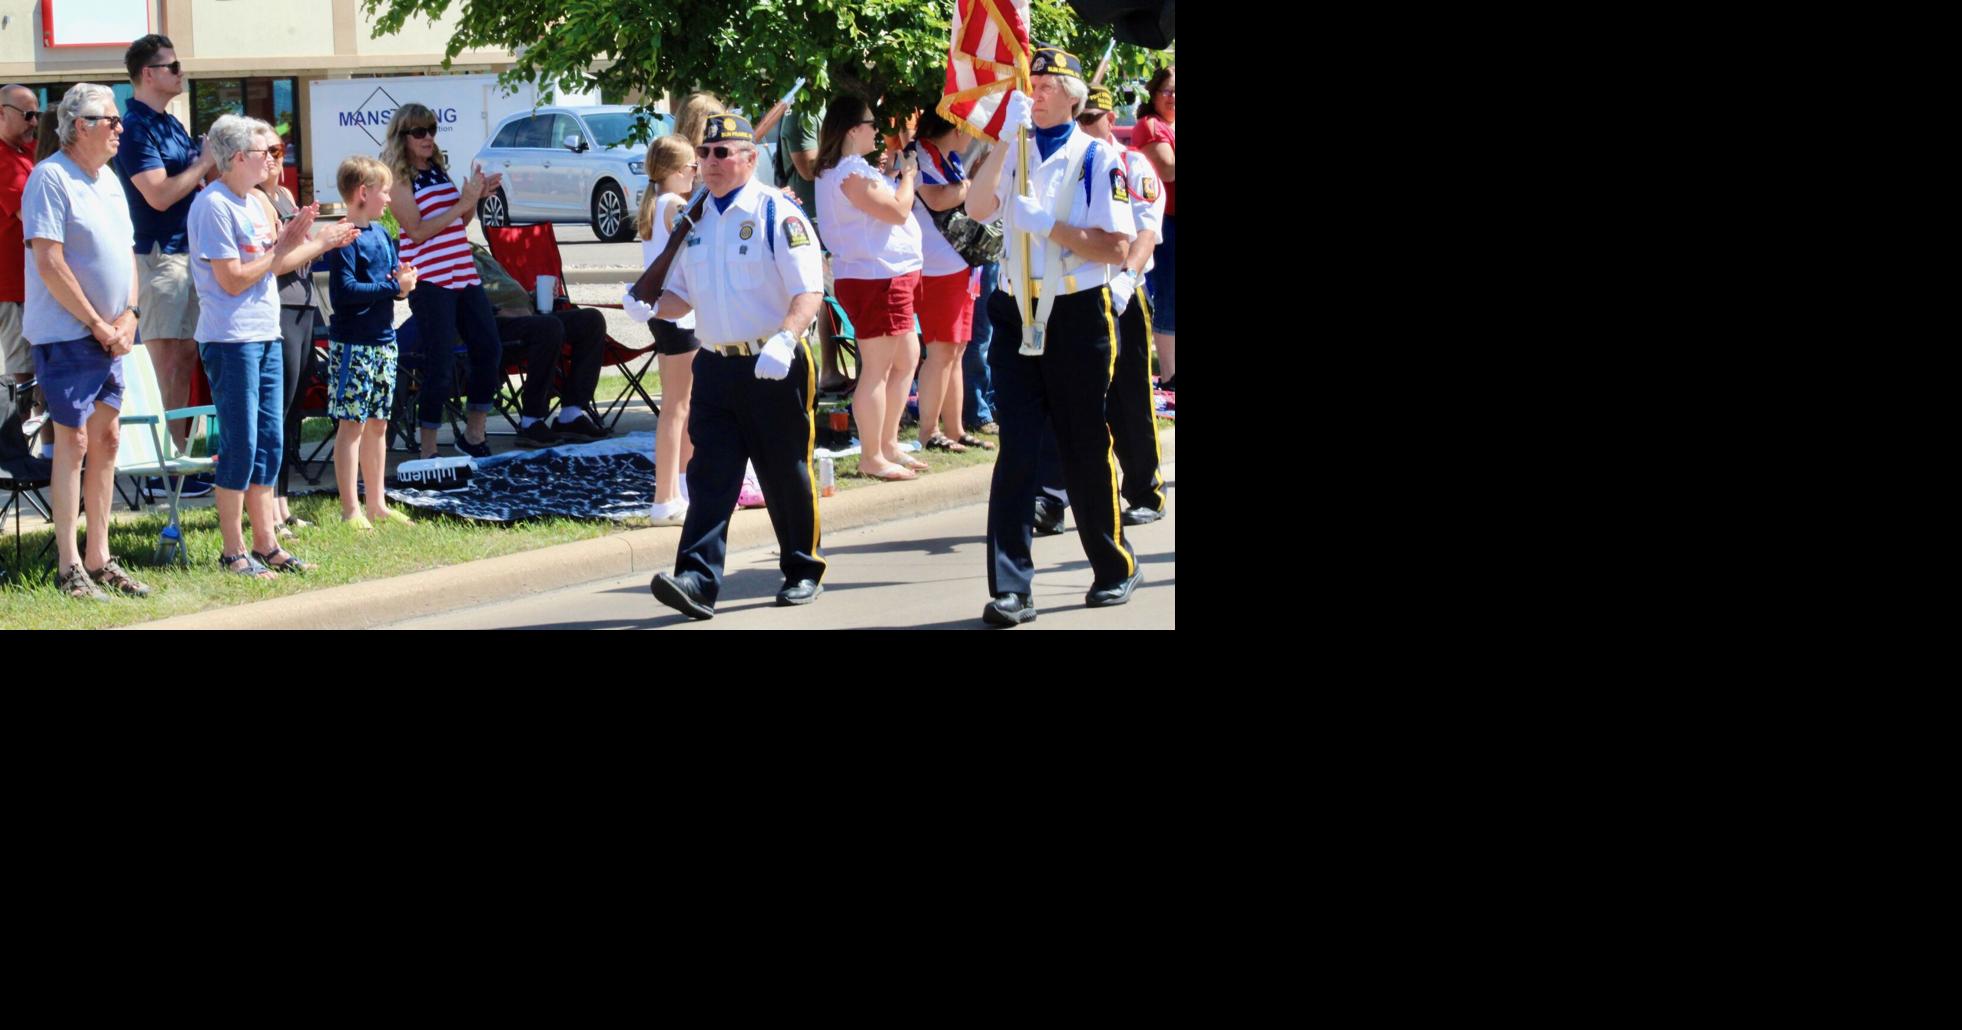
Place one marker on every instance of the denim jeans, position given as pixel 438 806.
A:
pixel 976 381
pixel 441 314
pixel 248 387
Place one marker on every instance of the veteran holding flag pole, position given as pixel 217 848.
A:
pixel 1079 223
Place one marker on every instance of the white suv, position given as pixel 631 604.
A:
pixel 568 164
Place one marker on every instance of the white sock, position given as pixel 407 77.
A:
pixel 570 415
pixel 683 484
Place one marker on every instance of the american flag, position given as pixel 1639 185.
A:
pixel 990 40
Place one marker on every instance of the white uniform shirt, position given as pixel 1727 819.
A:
pixel 652 247
pixel 862 247
pixel 1100 198
pixel 1147 197
pixel 741 288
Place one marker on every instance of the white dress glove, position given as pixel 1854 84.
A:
pixel 1026 214
pixel 1122 288
pixel 1021 113
pixel 636 310
pixel 774 362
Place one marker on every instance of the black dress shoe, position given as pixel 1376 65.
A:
pixel 538 433
pixel 681 595
pixel 1142 516
pixel 1008 610
pixel 583 427
pixel 804 591
pixel 1048 519
pixel 1104 597
pixel 475 450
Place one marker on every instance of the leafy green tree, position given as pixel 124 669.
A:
pixel 746 51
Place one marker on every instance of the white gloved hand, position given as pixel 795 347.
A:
pixel 1122 287
pixel 774 362
pixel 1026 214
pixel 636 310
pixel 1021 113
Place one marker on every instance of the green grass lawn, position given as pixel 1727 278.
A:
pixel 343 556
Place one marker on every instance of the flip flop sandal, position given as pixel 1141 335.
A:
pixel 898 475
pixel 291 564
pixel 914 464
pixel 970 440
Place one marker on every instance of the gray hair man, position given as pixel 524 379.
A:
pixel 80 316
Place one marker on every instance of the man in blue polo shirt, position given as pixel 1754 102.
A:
pixel 162 168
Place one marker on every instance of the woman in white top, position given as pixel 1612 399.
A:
pixel 946 302
pixel 671 167
pixel 876 261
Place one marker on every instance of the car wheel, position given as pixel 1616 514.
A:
pixel 610 220
pixel 493 210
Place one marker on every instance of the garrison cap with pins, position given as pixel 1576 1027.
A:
pixel 1049 60
pixel 727 128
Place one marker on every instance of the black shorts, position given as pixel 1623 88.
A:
pixel 673 339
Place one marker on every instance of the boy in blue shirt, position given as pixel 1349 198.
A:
pixel 364 281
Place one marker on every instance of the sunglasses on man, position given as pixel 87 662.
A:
pixel 25 114
pixel 114 120
pixel 719 153
pixel 176 67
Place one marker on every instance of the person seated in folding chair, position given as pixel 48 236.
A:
pixel 535 341
pixel 80 317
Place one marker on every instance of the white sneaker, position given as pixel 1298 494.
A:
pixel 672 514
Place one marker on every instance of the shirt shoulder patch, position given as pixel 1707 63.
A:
pixel 794 231
pixel 1118 190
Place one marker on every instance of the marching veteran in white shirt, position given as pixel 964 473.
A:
pixel 752 272
pixel 1080 226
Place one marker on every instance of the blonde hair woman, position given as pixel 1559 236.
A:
pixel 448 298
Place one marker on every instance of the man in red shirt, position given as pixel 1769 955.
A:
pixel 20 111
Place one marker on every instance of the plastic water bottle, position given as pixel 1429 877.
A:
pixel 827 477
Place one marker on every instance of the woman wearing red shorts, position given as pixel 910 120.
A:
pixel 946 302
pixel 875 261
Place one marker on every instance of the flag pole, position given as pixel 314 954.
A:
pixel 1023 293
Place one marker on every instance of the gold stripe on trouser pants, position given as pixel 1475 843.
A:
pixel 1110 445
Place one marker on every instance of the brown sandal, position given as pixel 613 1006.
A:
pixel 75 582
pixel 970 440
pixel 940 442
pixel 112 576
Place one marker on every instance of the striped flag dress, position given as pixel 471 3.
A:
pixel 443 259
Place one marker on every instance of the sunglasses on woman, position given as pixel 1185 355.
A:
pixel 420 133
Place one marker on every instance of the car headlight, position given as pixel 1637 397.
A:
pixel 637 167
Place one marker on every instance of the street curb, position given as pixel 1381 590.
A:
pixel 384 601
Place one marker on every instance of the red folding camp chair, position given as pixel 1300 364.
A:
pixel 529 251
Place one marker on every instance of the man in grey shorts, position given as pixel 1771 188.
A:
pixel 162 168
